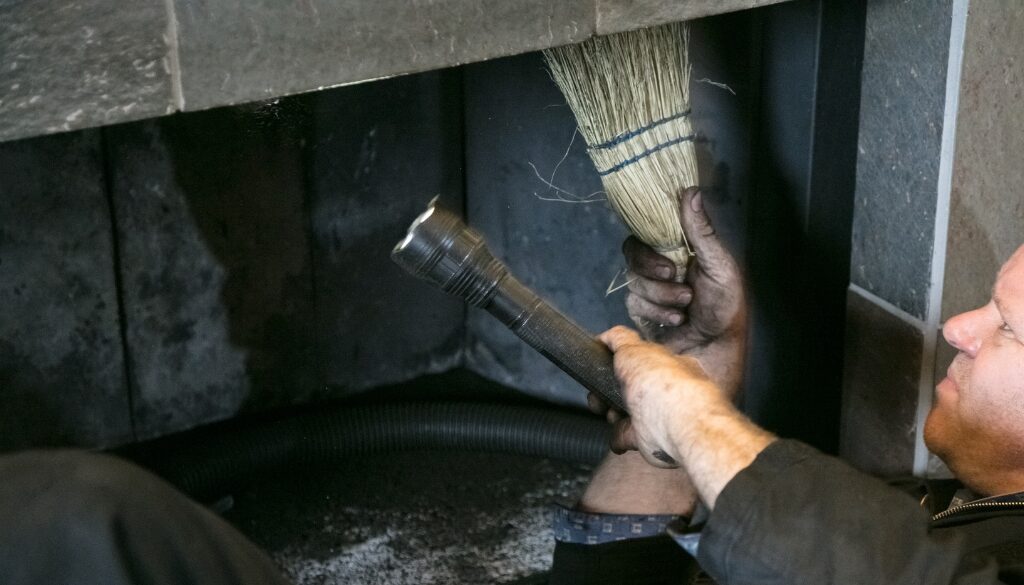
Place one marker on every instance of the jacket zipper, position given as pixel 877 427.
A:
pixel 978 505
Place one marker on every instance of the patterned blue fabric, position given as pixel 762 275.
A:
pixel 574 526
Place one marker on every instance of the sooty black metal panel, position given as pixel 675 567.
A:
pixel 379 152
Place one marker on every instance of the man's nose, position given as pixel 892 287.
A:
pixel 961 332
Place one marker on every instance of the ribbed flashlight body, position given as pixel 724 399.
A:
pixel 441 249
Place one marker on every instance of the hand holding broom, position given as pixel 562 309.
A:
pixel 630 95
pixel 711 306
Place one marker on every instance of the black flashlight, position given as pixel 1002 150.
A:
pixel 442 249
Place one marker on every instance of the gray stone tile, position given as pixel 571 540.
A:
pixel 61 369
pixel 902 103
pixel 880 386
pixel 241 50
pixel 379 153
pixel 621 15
pixel 987 202
pixel 215 264
pixel 81 63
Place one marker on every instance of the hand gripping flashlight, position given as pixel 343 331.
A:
pixel 443 250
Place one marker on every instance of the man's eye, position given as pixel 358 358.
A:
pixel 1004 327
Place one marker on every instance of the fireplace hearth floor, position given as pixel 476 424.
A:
pixel 411 518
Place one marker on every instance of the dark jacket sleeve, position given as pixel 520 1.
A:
pixel 796 516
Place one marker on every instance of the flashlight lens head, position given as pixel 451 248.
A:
pixel 428 241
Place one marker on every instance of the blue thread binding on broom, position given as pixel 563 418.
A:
pixel 619 139
pixel 646 154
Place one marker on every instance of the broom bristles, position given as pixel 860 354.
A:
pixel 630 95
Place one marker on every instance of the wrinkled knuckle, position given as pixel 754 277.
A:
pixel 636 285
pixel 635 305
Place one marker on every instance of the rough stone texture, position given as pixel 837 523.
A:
pixel 61 369
pixel 902 101
pixel 84 63
pixel 620 15
pixel 987 202
pixel 379 153
pixel 431 518
pixel 81 63
pixel 239 50
pixel 881 380
pixel 215 264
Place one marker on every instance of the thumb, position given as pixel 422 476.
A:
pixel 618 337
pixel 698 229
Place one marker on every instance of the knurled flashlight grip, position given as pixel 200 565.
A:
pixel 441 249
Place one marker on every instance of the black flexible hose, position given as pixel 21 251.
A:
pixel 207 463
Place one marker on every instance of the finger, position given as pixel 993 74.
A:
pixel 659 292
pixel 596 404
pixel 623 436
pixel 643 260
pixel 703 238
pixel 614 415
pixel 641 310
pixel 618 337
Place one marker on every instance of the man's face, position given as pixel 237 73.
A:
pixel 976 424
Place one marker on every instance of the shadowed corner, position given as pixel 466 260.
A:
pixel 241 172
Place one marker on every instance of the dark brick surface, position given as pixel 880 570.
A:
pixel 215 263
pixel 61 369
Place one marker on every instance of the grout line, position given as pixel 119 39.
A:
pixel 116 262
pixel 890 308
pixel 957 34
pixel 173 57
pixel 464 358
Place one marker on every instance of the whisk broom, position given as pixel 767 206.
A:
pixel 630 95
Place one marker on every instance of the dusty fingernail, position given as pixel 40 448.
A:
pixel 663 271
pixel 685 297
pixel 675 319
pixel 696 203
pixel 663 457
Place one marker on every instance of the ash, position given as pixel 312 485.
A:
pixel 411 518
